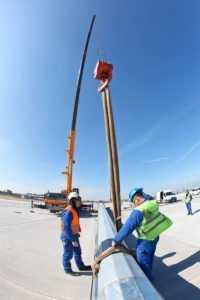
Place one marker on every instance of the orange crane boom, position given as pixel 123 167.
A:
pixel 69 168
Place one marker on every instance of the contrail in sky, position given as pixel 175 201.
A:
pixel 156 160
pixel 187 153
pixel 183 157
pixel 134 144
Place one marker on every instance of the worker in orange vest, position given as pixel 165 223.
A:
pixel 70 228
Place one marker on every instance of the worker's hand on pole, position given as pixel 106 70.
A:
pixel 75 244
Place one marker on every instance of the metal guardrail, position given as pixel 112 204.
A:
pixel 119 276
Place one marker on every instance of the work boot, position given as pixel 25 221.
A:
pixel 72 273
pixel 86 268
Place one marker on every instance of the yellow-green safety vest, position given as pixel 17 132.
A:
pixel 187 199
pixel 153 222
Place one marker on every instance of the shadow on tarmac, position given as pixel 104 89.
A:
pixel 167 280
pixel 196 211
pixel 85 273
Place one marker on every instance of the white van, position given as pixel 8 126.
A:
pixel 166 196
pixel 195 191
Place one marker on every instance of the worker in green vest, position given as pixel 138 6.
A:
pixel 149 223
pixel 188 199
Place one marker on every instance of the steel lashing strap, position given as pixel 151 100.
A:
pixel 109 251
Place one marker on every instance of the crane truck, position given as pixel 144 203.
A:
pixel 56 201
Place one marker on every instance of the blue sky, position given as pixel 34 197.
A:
pixel 154 47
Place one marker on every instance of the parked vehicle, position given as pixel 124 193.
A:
pixel 55 200
pixel 38 201
pixel 195 191
pixel 166 196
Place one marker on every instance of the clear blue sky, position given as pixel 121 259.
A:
pixel 155 48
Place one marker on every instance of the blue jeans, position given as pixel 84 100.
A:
pixel 68 252
pixel 189 208
pixel 145 255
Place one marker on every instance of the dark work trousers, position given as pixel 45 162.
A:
pixel 145 255
pixel 189 208
pixel 68 252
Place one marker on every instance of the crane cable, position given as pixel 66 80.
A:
pixel 101 55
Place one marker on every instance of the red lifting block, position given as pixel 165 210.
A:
pixel 103 71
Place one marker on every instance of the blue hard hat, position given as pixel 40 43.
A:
pixel 133 192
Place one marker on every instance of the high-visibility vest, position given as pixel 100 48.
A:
pixel 187 199
pixel 75 225
pixel 153 222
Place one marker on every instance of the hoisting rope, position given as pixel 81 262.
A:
pixel 101 55
pixel 103 72
pixel 113 157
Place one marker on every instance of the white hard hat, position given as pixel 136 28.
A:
pixel 73 195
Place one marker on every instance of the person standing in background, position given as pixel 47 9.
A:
pixel 188 199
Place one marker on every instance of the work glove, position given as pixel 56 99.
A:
pixel 114 244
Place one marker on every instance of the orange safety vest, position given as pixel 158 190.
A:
pixel 75 225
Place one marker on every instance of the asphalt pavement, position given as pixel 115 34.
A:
pixel 31 254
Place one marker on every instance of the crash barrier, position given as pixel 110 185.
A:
pixel 119 276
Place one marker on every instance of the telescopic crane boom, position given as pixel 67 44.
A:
pixel 69 168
